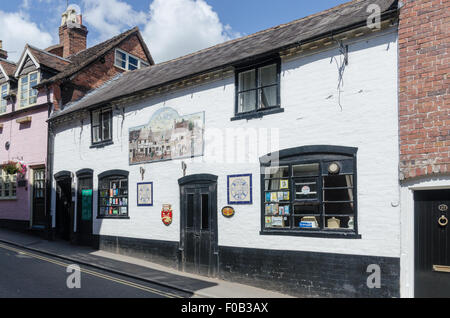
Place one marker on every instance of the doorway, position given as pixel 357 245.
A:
pixel 432 243
pixel 84 207
pixel 39 215
pixel 199 237
pixel 64 205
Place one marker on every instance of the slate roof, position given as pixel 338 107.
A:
pixel 347 15
pixel 82 59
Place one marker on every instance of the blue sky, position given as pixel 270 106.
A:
pixel 171 28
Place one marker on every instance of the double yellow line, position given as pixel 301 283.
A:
pixel 86 271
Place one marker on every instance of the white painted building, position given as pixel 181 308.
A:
pixel 334 101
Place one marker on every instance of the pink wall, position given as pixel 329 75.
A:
pixel 28 142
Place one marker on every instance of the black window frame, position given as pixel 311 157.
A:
pixel 310 155
pixel 258 112
pixel 112 175
pixel 103 142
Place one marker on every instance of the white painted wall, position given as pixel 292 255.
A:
pixel 368 120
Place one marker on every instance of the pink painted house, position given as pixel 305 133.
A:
pixel 40 82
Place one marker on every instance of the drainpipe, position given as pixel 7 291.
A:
pixel 49 167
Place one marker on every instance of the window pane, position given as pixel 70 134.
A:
pixel 96 118
pixel 132 63
pixel 305 188
pixel 190 211
pixel 268 75
pixel 247 101
pixel 96 134
pixel 277 172
pixel 268 97
pixel 247 80
pixel 106 123
pixel 306 170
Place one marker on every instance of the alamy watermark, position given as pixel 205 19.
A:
pixel 374 279
pixel 374 19
pixel 74 279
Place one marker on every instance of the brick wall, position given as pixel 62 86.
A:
pixel 102 70
pixel 73 39
pixel 424 117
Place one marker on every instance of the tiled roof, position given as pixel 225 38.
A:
pixel 85 57
pixel 8 66
pixel 272 40
pixel 47 59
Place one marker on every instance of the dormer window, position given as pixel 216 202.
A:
pixel 28 95
pixel 128 62
pixel 3 94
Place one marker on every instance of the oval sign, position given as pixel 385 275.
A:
pixel 228 211
pixel 443 207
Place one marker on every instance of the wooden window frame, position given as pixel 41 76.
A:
pixel 112 176
pixel 310 155
pixel 3 102
pixel 19 97
pixel 127 62
pixel 258 112
pixel 12 185
pixel 102 141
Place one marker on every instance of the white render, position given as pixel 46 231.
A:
pixel 368 120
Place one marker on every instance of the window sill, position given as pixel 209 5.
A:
pixel 313 233
pixel 102 144
pixel 8 199
pixel 113 217
pixel 258 114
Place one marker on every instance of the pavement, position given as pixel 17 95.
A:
pixel 195 285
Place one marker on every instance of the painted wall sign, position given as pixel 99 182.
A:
pixel 145 194
pixel 167 136
pixel 166 214
pixel 239 189
pixel 228 211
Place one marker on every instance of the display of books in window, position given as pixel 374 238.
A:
pixel 113 199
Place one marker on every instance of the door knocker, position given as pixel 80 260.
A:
pixel 443 221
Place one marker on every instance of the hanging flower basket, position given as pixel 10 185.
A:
pixel 15 167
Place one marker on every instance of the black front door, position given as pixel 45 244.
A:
pixel 432 243
pixel 64 208
pixel 39 216
pixel 199 226
pixel 84 210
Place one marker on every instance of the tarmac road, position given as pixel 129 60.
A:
pixel 25 274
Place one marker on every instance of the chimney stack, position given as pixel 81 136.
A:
pixel 3 53
pixel 72 33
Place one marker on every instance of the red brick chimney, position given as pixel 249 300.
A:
pixel 3 53
pixel 72 33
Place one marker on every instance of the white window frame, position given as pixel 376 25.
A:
pixel 3 102
pixel 11 184
pixel 29 90
pixel 140 65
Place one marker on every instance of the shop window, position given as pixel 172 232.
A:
pixel 101 120
pixel 113 194
pixel 310 191
pixel 257 90
pixel 8 186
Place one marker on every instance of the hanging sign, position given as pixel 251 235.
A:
pixel 166 214
pixel 228 211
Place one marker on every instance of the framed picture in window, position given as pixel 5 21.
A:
pixel 239 189
pixel 145 194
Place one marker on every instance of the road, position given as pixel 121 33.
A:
pixel 33 275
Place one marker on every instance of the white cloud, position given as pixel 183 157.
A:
pixel 179 27
pixel 17 30
pixel 111 17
